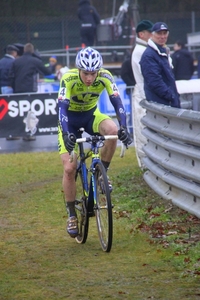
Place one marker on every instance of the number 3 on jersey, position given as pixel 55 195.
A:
pixel 62 93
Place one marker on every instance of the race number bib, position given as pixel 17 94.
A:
pixel 62 93
pixel 115 89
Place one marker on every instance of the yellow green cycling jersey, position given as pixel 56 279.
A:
pixel 75 96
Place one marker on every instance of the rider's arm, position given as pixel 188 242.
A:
pixel 119 109
pixel 62 114
pixel 63 105
pixel 106 77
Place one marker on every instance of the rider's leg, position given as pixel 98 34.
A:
pixel 108 127
pixel 69 185
pixel 69 188
pixel 68 182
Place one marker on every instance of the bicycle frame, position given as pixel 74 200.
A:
pixel 88 185
pixel 83 167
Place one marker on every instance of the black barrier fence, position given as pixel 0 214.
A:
pixel 15 108
pixel 52 33
pixel 36 113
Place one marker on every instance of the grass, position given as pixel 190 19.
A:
pixel 155 253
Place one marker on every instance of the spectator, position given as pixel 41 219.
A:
pixel 5 67
pixel 89 19
pixel 143 32
pixel 20 48
pixel 182 61
pixel 156 66
pixel 127 76
pixel 126 73
pixel 61 71
pixel 52 64
pixel 25 70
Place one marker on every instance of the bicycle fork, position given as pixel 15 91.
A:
pixel 91 198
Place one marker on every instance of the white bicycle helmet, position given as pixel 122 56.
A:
pixel 89 59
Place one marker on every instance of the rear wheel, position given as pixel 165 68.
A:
pixel 81 209
pixel 103 208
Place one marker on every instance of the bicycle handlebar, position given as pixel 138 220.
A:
pixel 98 138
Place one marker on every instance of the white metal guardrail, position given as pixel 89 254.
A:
pixel 173 154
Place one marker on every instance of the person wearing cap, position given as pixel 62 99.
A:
pixel 156 66
pixel 5 67
pixel 143 32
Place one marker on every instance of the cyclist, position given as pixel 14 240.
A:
pixel 78 96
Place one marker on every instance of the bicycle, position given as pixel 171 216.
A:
pixel 92 193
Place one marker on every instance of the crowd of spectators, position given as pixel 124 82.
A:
pixel 21 67
pixel 155 71
pixel 25 69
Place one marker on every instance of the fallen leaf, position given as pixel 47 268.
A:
pixel 171 232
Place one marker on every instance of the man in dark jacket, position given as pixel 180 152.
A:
pixel 156 67
pixel 25 70
pixel 89 19
pixel 182 61
pixel 5 67
pixel 126 73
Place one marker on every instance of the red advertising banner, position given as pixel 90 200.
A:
pixel 23 113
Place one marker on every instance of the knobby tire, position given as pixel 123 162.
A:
pixel 103 208
pixel 81 209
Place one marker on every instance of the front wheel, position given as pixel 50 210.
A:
pixel 103 208
pixel 81 209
